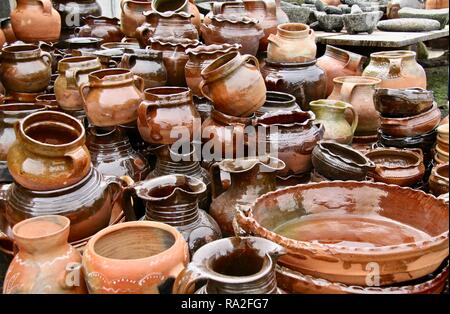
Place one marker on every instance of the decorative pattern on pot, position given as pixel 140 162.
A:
pixel 402 103
pixel 226 8
pixel 132 16
pixel 108 29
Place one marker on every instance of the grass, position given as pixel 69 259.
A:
pixel 437 81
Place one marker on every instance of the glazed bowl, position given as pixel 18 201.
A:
pixel 401 103
pixel 438 181
pixel 424 141
pixel 362 23
pixel 341 231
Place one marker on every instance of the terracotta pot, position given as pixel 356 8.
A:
pixel 436 4
pixel 132 15
pixel 439 179
pixel 339 62
pixel 233 30
pixel 25 69
pixel 359 91
pixel 293 42
pixel 73 72
pixel 226 8
pixel 276 101
pixel 164 111
pixel 228 96
pixel 109 58
pixel 400 103
pixel 305 81
pixel 396 69
pixel 397 166
pixel 108 29
pixel 6 29
pixel 133 257
pixel 43 21
pixel 112 97
pixel 443 138
pixel 84 8
pixel 232 266
pixel 265 11
pixel 45 263
pixel 395 239
pixel 162 6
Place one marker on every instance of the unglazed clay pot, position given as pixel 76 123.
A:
pixel 133 257
pixel 359 91
pixel 336 230
pixel 339 62
pixel 294 42
pixel 83 8
pixel 276 101
pixel 108 29
pixel 439 179
pixel 265 11
pixel 43 21
pixel 46 263
pixel 226 8
pixel 402 103
pixel 234 84
pixel 132 15
pixel 396 69
pixel 112 97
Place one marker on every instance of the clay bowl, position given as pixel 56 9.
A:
pixel 400 103
pixel 338 230
pixel 438 181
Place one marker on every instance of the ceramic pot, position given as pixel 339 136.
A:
pixel 163 6
pixel 43 21
pixel 7 30
pixel 305 81
pixel 108 29
pixel 402 103
pixel 220 87
pixel 443 138
pixel 265 11
pixel 166 111
pixel 359 91
pixel 133 257
pixel 276 101
pixel 232 266
pixel 226 8
pixel 339 62
pixel 111 97
pixel 294 42
pixel 436 4
pixel 25 69
pixel 109 58
pixel 132 15
pixel 82 46
pixel 84 8
pixel 395 238
pixel 439 179
pixel 46 262
pixel 120 45
pixel 396 69
pixel 340 162
pixel 73 72
pixel 48 100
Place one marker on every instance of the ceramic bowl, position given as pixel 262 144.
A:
pixel 439 181
pixel 400 103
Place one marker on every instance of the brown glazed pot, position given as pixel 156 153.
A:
pixel 54 143
pixel 108 29
pixel 73 72
pixel 110 58
pixel 402 103
pixel 305 81
pixel 265 11
pixel 439 179
pixel 43 22
pixel 112 97
pixel 132 16
pixel 84 8
pixel 220 85
pixel 400 241
pixel 396 69
pixel 358 91
pixel 339 62
pixel 46 262
pixel 164 111
pixel 163 6
pixel 82 46
pixel 25 69
pixel 133 257
pixel 276 101
pixel 6 29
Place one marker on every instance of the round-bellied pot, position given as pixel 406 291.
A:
pixel 108 29
pixel 402 103
pixel 131 16
pixel 83 8
pixel 439 179
pixel 266 13
pixel 276 101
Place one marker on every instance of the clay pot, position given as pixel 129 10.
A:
pixel 133 257
pixel 395 239
pixel 83 8
pixel 109 58
pixel 164 111
pixel 132 15
pixel 25 69
pixel 439 179
pixel 305 81
pixel 331 114
pixel 225 8
pixel 266 13
pixel 276 101
pixel 443 138
pixel 402 103
pixel 82 46
pixel 397 166
pixel 163 6
pixel 339 62
pixel 108 29
pixel 396 69
pixel 340 162
pixel 232 266
pixel 45 263
pixel 120 45
pixel 228 96
pixel 6 29
pixel 43 21
pixel 359 91
pixel 112 97
pixel 294 42
pixel 73 72
pixel 436 4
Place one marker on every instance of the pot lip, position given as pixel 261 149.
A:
pixel 118 45
pixel 175 41
pixel 293 33
pixel 108 76
pixel 222 66
pixel 359 80
pixel 443 129
pixel 394 92
pixel 292 64
pixel 438 167
pixel 309 115
pixel 397 151
pixel 222 117
pixel 101 18
pixel 168 14
pixel 330 103
pixel 63 221
pixel 265 161
pixel 83 40
pixel 30 50
pixel 394 54
pixel 368 163
pixel 79 63
pixel 213 49
pixel 234 19
pixel 173 94
pixel 33 107
pixel 410 119
pixel 289 98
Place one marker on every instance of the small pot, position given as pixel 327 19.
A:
pixel 402 103
pixel 276 101
pixel 439 179
pixel 105 28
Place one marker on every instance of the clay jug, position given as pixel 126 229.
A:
pixel 265 11
pixel 46 263
pixel 43 22
pixel 108 29
pixel 131 16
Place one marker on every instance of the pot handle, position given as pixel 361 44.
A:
pixel 81 89
pixel 186 279
pixel 47 58
pixel 274 39
pixel 354 61
pixel 216 182
pixel 142 114
pixel 139 82
pixel 78 160
pixel 72 77
pixel 355 117
pixel 418 151
pixel 346 91
pixel 128 60
pixel 46 6
pixel 112 64
pixel 118 185
pixel 124 4
pixel 204 93
pixel 395 67
pixel 271 8
pixel 250 59
pixel 143 35
pixel 3 190
pixel 241 219
pixel 312 34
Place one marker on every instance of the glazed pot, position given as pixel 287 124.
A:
pixel 331 114
pixel 396 69
pixel 43 21
pixel 359 91
pixel 397 166
pixel 82 46
pixel 162 6
pixel 402 103
pixel 133 257
pixel 165 114
pixel 84 8
pixel 46 262
pixel 294 42
pixel 265 11
pixel 109 58
pixel 276 101
pixel 6 29
pixel 108 29
pixel 439 179
pixel 111 97
pixel 339 62
pixel 340 162
pixel 300 219
pixel 132 15
pixel 73 72
pixel 25 69
pixel 220 85
pixel 232 266
pixel 305 81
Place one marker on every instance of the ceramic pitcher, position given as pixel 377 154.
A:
pixel 108 29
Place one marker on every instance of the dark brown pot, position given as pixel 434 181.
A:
pixel 132 15
pixel 402 103
pixel 105 28
pixel 276 101
pixel 84 8
pixel 82 46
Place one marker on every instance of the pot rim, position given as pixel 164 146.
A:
pixel 101 18
pixel 33 107
pixel 281 28
pixel 394 54
pixel 443 129
pixel 63 222
pixel 309 118
pixel 358 80
pixel 289 98
pixel 16 51
pixel 438 167
pixel 168 14
pixel 368 163
pixel 174 41
pixel 118 45
pixel 291 64
pixel 265 161
pixel 166 96
pixel 330 103
pixel 79 63
pixel 383 151
pixel 227 119
pixel 213 49
pixel 243 19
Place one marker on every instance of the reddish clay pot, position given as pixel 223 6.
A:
pixel 439 179
pixel 163 6
pixel 266 13
pixel 131 16
pixel 108 29
pixel 436 4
